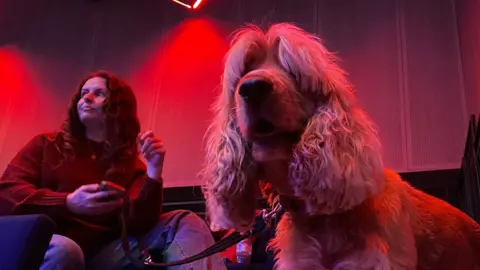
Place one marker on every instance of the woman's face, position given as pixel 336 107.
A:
pixel 90 106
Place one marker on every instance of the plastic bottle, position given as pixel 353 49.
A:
pixel 244 251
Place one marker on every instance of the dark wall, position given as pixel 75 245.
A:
pixel 468 18
pixel 403 56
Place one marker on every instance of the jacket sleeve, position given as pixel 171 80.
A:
pixel 21 190
pixel 145 198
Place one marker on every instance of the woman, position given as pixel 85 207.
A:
pixel 58 174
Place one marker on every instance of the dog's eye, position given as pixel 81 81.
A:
pixel 246 69
pixel 322 99
pixel 293 76
pixel 249 64
pixel 255 55
pixel 297 78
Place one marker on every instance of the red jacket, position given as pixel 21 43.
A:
pixel 38 180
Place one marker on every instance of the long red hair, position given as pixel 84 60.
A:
pixel 122 124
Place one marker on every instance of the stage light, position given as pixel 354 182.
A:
pixel 193 4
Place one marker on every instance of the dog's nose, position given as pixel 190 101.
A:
pixel 255 90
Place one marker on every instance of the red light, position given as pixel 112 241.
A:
pixel 195 5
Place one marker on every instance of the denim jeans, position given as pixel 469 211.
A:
pixel 191 237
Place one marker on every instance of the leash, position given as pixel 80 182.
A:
pixel 263 220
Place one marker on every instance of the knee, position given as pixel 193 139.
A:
pixel 64 253
pixel 191 237
pixel 190 219
pixel 192 225
pixel 185 222
pixel 190 216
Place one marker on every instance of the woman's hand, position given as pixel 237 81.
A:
pixel 92 200
pixel 152 149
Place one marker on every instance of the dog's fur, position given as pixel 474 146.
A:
pixel 318 149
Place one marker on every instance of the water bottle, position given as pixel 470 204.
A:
pixel 244 251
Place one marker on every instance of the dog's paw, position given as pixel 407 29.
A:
pixel 216 227
pixel 240 226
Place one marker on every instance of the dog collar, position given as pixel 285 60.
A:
pixel 289 204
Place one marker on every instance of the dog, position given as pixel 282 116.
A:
pixel 287 116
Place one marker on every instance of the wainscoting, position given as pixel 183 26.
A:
pixel 443 184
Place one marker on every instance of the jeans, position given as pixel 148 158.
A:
pixel 191 237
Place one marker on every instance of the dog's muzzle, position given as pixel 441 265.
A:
pixel 255 91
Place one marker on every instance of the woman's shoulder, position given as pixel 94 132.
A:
pixel 43 138
pixel 44 141
pixel 37 144
pixel 49 135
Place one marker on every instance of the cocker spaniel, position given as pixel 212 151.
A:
pixel 287 116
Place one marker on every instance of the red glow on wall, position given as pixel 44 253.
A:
pixel 12 72
pixel 21 89
pixel 195 4
pixel 182 74
pixel 25 106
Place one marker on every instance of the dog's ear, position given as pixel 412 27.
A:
pixel 229 177
pixel 230 174
pixel 337 163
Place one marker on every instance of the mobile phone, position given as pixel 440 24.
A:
pixel 107 185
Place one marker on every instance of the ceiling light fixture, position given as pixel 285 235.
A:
pixel 194 4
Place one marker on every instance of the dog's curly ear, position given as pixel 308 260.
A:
pixel 230 174
pixel 337 163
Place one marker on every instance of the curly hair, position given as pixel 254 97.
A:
pixel 122 124
pixel 335 165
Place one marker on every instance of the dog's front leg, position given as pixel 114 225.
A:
pixel 370 259
pixel 294 248
pixel 376 254
pixel 395 251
